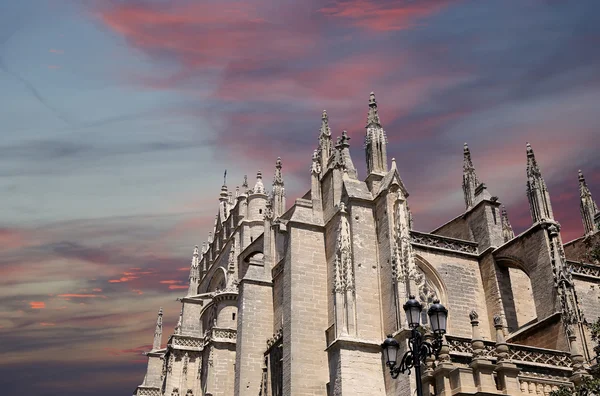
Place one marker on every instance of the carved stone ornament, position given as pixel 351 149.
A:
pixel 343 265
pixel 175 392
pixel 497 321
pixel 474 316
pixel 186 359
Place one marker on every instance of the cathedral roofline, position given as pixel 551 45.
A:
pixel 464 214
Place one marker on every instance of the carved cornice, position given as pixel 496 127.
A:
pixel 444 243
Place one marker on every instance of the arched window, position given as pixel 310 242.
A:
pixel 426 285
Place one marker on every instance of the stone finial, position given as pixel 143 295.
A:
pixel 474 316
pixel 501 346
pixel 343 207
pixel 587 206
pixel 259 187
pixel 245 183
pixel 507 230
pixel 394 163
pixel 343 141
pixel 537 192
pixel 325 130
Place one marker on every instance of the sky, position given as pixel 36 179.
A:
pixel 119 118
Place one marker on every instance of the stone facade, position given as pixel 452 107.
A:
pixel 297 301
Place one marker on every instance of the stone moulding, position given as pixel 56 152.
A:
pixel 445 243
pixel 587 270
pixel 519 354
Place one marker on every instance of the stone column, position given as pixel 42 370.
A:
pixel 483 368
pixel 577 360
pixel 508 373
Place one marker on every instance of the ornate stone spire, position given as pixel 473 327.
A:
pixel 507 231
pixel 158 331
pixel 259 187
pixel 375 141
pixel 587 206
pixel 324 140
pixel 195 257
pixel 537 192
pixel 245 187
pixel 224 199
pixel 470 181
pixel 278 191
pixel 179 322
pixel 194 272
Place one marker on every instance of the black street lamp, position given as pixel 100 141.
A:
pixel 419 349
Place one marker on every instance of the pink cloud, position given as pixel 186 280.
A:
pixel 177 287
pixel 37 305
pixel 381 15
pixel 69 296
pixel 46 324
pixel 56 51
pixel 170 282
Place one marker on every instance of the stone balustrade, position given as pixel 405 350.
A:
pixel 445 243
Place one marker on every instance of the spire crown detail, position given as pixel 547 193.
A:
pixel 373 116
pixel 278 180
pixel 259 187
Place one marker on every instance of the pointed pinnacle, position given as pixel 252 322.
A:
pixel 278 163
pixel 581 178
pixel 324 116
pixel 529 150
pixel 372 100
pixel 160 312
pixel 393 163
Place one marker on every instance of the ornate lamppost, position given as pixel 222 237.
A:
pixel 419 349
